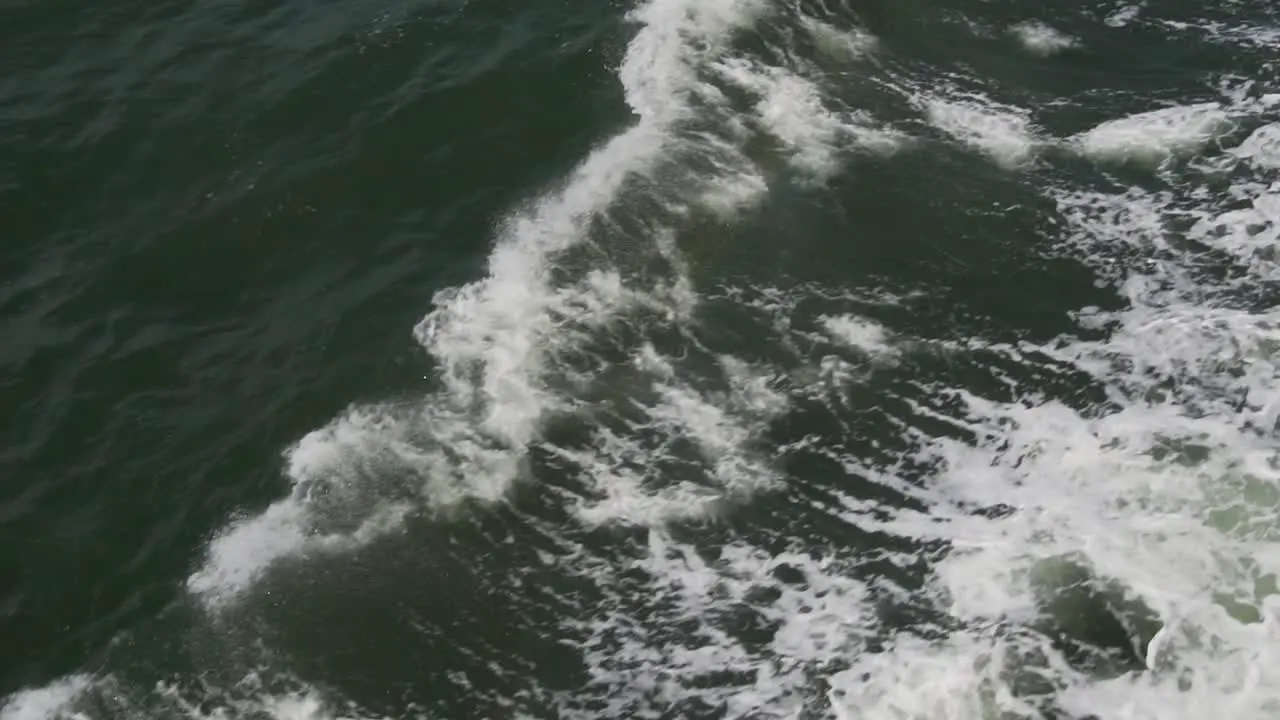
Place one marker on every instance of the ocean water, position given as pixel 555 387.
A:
pixel 872 359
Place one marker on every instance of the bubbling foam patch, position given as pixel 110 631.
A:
pixel 79 697
pixel 1145 496
pixel 1122 557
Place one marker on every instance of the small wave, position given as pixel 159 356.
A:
pixel 1153 137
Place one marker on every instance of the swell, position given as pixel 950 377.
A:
pixel 897 508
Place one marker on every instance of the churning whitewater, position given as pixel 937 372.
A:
pixel 1077 525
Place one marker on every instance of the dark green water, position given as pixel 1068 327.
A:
pixel 682 360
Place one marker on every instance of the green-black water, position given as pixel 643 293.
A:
pixel 715 359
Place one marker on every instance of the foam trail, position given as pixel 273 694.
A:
pixel 45 703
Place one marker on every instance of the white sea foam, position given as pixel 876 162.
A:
pixel 820 616
pixel 1041 39
pixel 794 110
pixel 629 467
pixel 1125 13
pixel 1251 234
pixel 1005 134
pixel 1169 499
pixel 1187 546
pixel 80 697
pixel 961 677
pixel 44 703
pixel 858 333
pixel 1152 137
pixel 1262 147
pixel 840 44
pixel 1157 511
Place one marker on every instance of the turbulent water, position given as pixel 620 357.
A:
pixel 873 360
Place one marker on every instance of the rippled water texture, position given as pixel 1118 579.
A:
pixel 685 359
